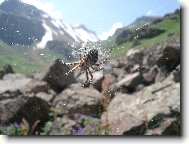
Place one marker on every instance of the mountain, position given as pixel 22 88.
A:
pixel 24 24
pixel 159 31
pixel 85 34
pixel 138 23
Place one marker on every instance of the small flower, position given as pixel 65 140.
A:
pixel 16 125
pixel 80 131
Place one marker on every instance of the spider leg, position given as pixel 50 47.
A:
pixel 85 50
pixel 74 63
pixel 87 76
pixel 92 67
pixel 90 75
pixel 72 69
pixel 80 57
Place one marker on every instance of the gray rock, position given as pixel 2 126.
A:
pixel 97 82
pixel 136 57
pixel 6 69
pixel 10 103
pixel 169 59
pixel 142 76
pixel 35 86
pixel 132 114
pixel 48 97
pixel 151 76
pixel 26 86
pixel 163 128
pixel 13 82
pixel 14 106
pixel 55 76
pixel 129 83
pixel 76 99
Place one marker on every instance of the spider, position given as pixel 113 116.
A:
pixel 88 61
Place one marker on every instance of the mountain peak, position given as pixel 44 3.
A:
pixel 83 27
pixel 22 23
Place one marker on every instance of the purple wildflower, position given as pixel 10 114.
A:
pixel 80 131
pixel 16 125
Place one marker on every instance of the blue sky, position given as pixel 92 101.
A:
pixel 100 15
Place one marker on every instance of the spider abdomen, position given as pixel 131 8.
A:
pixel 91 57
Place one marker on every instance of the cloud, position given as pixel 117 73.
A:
pixel 110 32
pixel 45 6
pixel 149 13
pixel 1 1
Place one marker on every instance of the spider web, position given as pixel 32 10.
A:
pixel 103 55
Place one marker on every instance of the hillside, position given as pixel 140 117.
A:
pixel 169 25
pixel 138 23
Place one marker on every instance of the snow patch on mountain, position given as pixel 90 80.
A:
pixel 85 36
pixel 58 29
pixel 47 37
pixel 70 31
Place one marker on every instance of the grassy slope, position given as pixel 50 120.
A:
pixel 171 26
pixel 24 59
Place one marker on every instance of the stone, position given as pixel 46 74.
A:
pixel 76 99
pixel 14 107
pixel 13 82
pixel 6 70
pixel 55 76
pixel 132 114
pixel 170 58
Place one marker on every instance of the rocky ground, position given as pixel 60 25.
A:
pixel 140 96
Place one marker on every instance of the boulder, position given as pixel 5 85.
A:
pixel 13 82
pixel 97 82
pixel 48 97
pixel 135 56
pixel 170 58
pixel 35 86
pixel 14 107
pixel 138 113
pixel 6 69
pixel 76 99
pixel 55 76
pixel 26 86
pixel 151 76
pixel 168 126
pixel 138 77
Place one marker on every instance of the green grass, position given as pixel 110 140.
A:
pixel 121 50
pixel 24 59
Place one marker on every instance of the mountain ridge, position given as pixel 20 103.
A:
pixel 31 26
